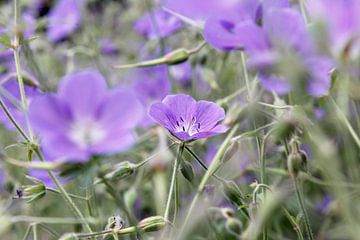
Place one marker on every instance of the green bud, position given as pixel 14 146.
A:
pixel 187 170
pixel 122 170
pixel 233 193
pixel 151 224
pixel 177 56
pixel 284 129
pixel 233 226
pixel 296 162
pixel 34 192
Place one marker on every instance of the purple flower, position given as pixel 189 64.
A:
pixel 181 72
pixel 85 118
pixel 341 19
pixel 107 46
pixel 151 85
pixel 199 10
pixel 64 19
pixel 157 24
pixel 187 119
pixel 10 95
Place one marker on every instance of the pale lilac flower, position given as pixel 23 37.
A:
pixel 187 119
pixel 10 95
pixel 107 46
pixel 64 19
pixel 85 118
pixel 341 22
pixel 157 24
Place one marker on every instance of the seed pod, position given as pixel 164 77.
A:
pixel 177 56
pixel 187 171
pixel 152 224
pixel 122 170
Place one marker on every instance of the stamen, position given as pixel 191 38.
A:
pixel 183 128
pixel 177 123
pixel 181 119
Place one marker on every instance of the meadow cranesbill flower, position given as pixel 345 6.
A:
pixel 85 118
pixel 188 119
pixel 157 24
pixel 64 19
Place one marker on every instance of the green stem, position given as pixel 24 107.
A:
pixel 71 195
pixel 302 206
pixel 35 231
pixel 173 181
pixel 65 195
pixel 294 224
pixel 210 172
pixel 118 232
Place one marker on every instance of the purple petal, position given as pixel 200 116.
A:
pixel 181 105
pixel 83 92
pixel 64 19
pixel 117 140
pixel 120 109
pixel 166 24
pixel 60 148
pixel 274 83
pixel 215 131
pixel 320 78
pixel 252 37
pixel 160 113
pixel 48 116
pixel 208 114
pixel 286 29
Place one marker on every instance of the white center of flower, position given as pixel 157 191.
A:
pixel 191 127
pixel 86 133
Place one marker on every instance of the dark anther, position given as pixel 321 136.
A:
pixel 19 193
pixel 181 119
pixel 177 123
pixel 183 128
pixel 198 126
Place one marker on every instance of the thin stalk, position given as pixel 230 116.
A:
pixel 71 195
pixel 173 181
pixel 35 231
pixel 27 232
pixel 294 224
pixel 65 195
pixel 302 206
pixel 211 170
pixel 118 232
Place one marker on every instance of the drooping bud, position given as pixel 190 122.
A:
pixel 296 162
pixel 233 193
pixel 122 170
pixel 34 192
pixel 297 159
pixel 177 56
pixel 187 170
pixel 233 226
pixel 152 224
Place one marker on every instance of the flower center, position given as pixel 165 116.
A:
pixel 86 133
pixel 191 127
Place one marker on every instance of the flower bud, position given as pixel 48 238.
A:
pixel 233 226
pixel 187 170
pixel 233 193
pixel 296 162
pixel 151 224
pixel 122 170
pixel 177 56
pixel 34 192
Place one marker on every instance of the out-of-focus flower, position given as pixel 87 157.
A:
pixel 150 85
pixel 181 72
pixel 64 19
pixel 157 24
pixel 85 118
pixel 340 20
pixel 107 46
pixel 199 10
pixel 187 119
pixel 10 95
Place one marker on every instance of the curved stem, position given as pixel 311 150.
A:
pixel 173 181
pixel 302 206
